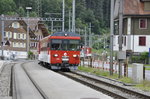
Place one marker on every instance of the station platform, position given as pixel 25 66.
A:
pixel 1 65
pixel 56 86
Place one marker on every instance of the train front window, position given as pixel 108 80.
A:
pixel 65 45
pixel 56 44
pixel 59 44
pixel 73 45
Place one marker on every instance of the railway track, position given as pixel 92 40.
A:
pixel 110 89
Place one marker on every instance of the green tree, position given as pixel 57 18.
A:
pixel 96 12
pixel 21 12
pixel 33 14
pixel 144 57
pixel 7 6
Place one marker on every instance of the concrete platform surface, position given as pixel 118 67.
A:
pixel 1 63
pixel 5 97
pixel 23 87
pixel 56 86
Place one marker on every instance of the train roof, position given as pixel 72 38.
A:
pixel 61 34
pixel 65 34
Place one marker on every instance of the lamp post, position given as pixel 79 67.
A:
pixel 28 37
pixel 73 16
pixel 2 42
pixel 120 34
pixel 63 17
pixel 111 36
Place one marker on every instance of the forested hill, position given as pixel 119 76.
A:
pixel 96 12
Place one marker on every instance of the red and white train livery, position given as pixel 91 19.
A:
pixel 60 50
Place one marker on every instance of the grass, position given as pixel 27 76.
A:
pixel 147 65
pixel 130 65
pixel 100 72
pixel 147 68
pixel 145 85
pixel 126 80
pixel 99 51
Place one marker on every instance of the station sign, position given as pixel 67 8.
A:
pixel 7 43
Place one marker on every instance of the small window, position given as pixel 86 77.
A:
pixel 15 25
pixel 24 36
pixel 4 34
pixel 19 36
pixel 143 23
pixel 142 41
pixel 23 45
pixel 125 41
pixel 16 44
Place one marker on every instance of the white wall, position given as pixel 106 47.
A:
pixel 133 43
pixel 17 54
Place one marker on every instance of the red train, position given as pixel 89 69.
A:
pixel 60 50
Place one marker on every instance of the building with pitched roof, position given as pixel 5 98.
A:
pixel 136 26
pixel 15 31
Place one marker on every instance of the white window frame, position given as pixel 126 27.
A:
pixel 15 35
pixel 18 35
pixel 14 44
pixel 24 45
pixel 21 36
pixel 24 36
pixel 10 35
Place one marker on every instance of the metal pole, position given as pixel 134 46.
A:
pixel 85 36
pixel 69 20
pixel 28 37
pixel 111 36
pixel 28 32
pixel 85 44
pixel 120 33
pixel 63 17
pixel 79 31
pixel 104 42
pixel 73 16
pixel 2 46
pixel 52 26
pixel 90 37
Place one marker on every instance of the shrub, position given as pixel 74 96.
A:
pixel 30 55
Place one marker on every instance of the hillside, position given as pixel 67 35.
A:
pixel 96 12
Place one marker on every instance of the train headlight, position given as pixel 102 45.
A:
pixel 74 55
pixel 55 55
